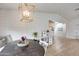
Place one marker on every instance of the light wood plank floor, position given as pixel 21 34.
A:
pixel 66 47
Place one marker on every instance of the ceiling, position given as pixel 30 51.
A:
pixel 66 10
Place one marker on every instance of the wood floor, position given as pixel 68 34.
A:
pixel 64 47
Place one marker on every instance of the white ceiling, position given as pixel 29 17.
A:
pixel 66 10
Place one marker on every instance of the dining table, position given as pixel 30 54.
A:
pixel 32 49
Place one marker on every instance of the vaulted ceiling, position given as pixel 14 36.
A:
pixel 66 10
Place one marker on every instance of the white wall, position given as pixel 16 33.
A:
pixel 10 24
pixel 73 29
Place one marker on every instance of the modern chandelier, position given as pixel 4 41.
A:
pixel 26 11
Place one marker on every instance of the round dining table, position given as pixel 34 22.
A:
pixel 33 49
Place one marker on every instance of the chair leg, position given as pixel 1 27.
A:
pixel 45 48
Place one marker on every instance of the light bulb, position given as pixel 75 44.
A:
pixel 26 13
